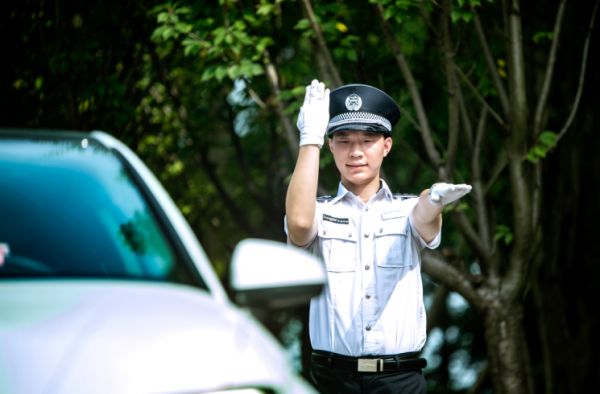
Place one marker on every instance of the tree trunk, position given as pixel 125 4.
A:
pixel 507 349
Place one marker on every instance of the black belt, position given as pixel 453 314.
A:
pixel 399 362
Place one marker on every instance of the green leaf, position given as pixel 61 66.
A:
pixel 303 24
pixel 183 27
pixel 388 13
pixel 542 35
pixel 158 33
pixel 208 74
pixel 39 82
pixel 162 17
pixel 532 158
pixel 167 33
pixel 182 10
pixel 548 139
pixel 265 9
pixel 175 168
pixel 458 15
pixel 234 71
pixel 256 69
pixel 504 234
pixel 352 55
pixel 190 47
pixel 263 43
pixel 220 73
pixel 546 142
pixel 219 34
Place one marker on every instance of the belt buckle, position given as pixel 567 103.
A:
pixel 370 365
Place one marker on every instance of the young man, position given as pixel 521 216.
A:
pixel 368 326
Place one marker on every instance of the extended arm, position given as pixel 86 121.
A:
pixel 300 201
pixel 427 214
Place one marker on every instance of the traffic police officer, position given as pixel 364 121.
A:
pixel 368 326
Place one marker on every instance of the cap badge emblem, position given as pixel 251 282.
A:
pixel 353 102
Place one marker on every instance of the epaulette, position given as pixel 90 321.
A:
pixel 324 198
pixel 400 196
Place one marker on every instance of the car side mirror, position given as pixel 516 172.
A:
pixel 270 274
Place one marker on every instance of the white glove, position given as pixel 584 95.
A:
pixel 314 114
pixel 445 193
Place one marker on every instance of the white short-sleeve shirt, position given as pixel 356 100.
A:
pixel 373 301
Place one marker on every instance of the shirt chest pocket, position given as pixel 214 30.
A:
pixel 338 246
pixel 393 242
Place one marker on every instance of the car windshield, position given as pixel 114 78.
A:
pixel 71 208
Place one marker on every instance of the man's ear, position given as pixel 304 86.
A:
pixel 387 146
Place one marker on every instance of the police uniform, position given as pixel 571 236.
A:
pixel 371 254
pixel 370 319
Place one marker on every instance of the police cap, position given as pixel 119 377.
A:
pixel 361 107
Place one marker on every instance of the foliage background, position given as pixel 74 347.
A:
pixel 189 85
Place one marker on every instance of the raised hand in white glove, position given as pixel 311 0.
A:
pixel 314 114
pixel 444 193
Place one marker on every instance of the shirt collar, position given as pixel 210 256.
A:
pixel 383 192
pixel 342 191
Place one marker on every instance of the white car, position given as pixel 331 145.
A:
pixel 104 288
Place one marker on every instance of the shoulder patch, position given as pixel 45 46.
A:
pixel 399 196
pixel 324 198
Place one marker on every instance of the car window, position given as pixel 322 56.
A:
pixel 72 209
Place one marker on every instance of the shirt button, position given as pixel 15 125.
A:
pixel 366 235
pixel 368 296
pixel 366 209
pixel 324 232
pixel 367 267
pixel 350 235
pixel 368 328
pixel 380 230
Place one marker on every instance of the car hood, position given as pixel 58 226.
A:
pixel 129 337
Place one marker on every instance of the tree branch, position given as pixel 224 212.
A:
pixel 515 278
pixel 241 162
pixel 543 98
pixel 489 60
pixel 407 115
pixel 467 126
pixel 289 131
pixel 337 81
pixel 437 308
pixel 472 238
pixel 480 97
pixel 517 81
pixel 501 163
pixel 323 68
pixel 581 74
pixel 255 97
pixel 478 189
pixel 449 276
pixel 225 198
pixel 425 129
pixel 452 84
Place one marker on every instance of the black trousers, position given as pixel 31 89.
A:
pixel 331 380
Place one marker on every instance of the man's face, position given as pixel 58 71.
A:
pixel 358 155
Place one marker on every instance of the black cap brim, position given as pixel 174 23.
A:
pixel 373 128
